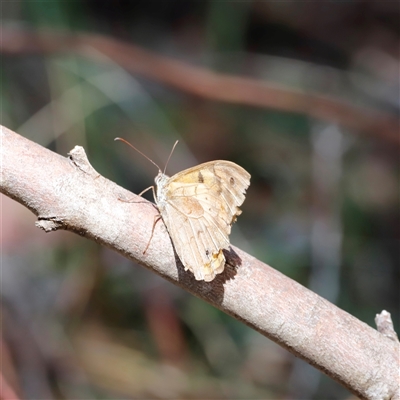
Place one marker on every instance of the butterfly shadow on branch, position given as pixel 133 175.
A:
pixel 214 290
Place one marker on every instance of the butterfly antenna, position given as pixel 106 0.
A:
pixel 170 154
pixel 133 147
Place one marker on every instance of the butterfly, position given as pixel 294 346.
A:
pixel 198 207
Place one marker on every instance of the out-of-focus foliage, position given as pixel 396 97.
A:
pixel 81 322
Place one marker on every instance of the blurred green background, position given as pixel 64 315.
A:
pixel 81 322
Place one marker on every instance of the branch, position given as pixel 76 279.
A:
pixel 69 194
pixel 203 82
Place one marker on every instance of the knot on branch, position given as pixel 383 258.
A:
pixel 385 325
pixel 49 224
pixel 79 159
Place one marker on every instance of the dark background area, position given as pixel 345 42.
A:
pixel 81 322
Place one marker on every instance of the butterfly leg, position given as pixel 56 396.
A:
pixel 156 219
pixel 145 190
pixel 140 195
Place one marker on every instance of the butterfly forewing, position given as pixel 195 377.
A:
pixel 198 207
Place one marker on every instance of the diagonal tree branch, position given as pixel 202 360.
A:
pixel 203 82
pixel 69 194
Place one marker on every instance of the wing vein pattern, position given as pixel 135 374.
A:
pixel 198 207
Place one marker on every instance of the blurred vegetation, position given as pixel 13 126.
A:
pixel 80 322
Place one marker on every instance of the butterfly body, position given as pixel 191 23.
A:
pixel 199 206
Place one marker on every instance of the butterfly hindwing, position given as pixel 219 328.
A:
pixel 199 206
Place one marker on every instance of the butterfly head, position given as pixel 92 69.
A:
pixel 161 179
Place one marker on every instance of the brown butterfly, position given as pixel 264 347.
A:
pixel 198 207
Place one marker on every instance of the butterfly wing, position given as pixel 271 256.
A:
pixel 199 206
